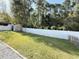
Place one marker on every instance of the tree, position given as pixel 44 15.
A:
pixel 41 9
pixel 21 10
pixel 72 22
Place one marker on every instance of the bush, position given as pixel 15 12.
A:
pixel 72 23
pixel 61 28
pixel 52 27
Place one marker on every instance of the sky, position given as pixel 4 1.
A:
pixel 56 1
pixel 8 4
pixel 5 5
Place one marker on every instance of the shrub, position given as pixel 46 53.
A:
pixel 72 23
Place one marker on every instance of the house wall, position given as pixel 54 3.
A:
pixel 2 28
pixel 52 33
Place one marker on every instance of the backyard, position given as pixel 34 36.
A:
pixel 39 29
pixel 39 47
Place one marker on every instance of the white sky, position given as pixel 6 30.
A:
pixel 5 5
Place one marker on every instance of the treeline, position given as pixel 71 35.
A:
pixel 41 14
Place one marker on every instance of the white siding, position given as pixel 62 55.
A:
pixel 51 33
pixel 2 28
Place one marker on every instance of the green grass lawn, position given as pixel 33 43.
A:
pixel 40 47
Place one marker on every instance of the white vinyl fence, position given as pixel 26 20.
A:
pixel 52 33
pixel 2 28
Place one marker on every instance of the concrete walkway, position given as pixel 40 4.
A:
pixel 7 52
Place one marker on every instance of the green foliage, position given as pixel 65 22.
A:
pixel 7 18
pixel 57 28
pixel 72 23
pixel 45 15
pixel 76 8
pixel 21 11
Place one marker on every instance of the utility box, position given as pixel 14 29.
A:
pixel 17 27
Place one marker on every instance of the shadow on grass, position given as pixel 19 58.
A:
pixel 61 44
